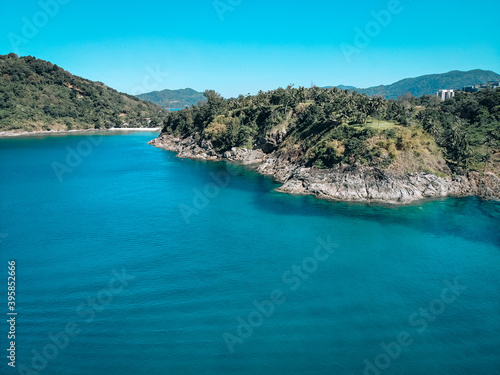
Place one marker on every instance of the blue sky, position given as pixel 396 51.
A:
pixel 248 45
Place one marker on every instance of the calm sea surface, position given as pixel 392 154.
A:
pixel 132 261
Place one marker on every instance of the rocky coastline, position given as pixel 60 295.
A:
pixel 343 182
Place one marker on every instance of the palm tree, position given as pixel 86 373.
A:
pixel 491 140
pixel 377 106
pixel 485 158
pixel 363 108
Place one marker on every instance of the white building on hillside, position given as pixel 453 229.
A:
pixel 446 94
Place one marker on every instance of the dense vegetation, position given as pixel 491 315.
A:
pixel 173 99
pixel 429 84
pixel 323 127
pixel 38 95
pixel 467 128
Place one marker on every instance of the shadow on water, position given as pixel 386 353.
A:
pixel 470 218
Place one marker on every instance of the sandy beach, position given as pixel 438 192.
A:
pixel 66 132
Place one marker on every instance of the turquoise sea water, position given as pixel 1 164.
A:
pixel 197 260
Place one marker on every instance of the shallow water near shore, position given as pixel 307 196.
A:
pixel 164 265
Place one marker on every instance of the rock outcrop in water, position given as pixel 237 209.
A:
pixel 203 150
pixel 343 182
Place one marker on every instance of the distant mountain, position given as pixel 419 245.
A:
pixel 173 99
pixel 342 87
pixel 428 84
pixel 38 95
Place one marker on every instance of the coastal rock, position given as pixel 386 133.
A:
pixel 192 149
pixel 355 183
pixel 342 182
pixel 246 156
pixel 272 141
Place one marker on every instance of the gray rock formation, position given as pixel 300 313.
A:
pixel 343 182
pixel 359 183
pixel 204 150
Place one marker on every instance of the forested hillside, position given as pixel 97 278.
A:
pixel 38 95
pixel 324 127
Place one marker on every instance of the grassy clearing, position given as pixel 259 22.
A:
pixel 373 123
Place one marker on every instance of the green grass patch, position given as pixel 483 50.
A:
pixel 382 125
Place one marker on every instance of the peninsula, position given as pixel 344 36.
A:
pixel 342 145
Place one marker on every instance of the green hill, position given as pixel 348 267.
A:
pixel 38 95
pixel 325 127
pixel 429 84
pixel 174 99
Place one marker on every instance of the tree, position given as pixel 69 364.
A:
pixel 216 102
pixel 378 106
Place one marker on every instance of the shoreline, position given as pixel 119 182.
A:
pixel 345 183
pixel 9 134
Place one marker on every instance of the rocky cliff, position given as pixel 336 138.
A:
pixel 343 182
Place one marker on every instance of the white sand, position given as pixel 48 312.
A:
pixel 62 132
pixel 138 129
